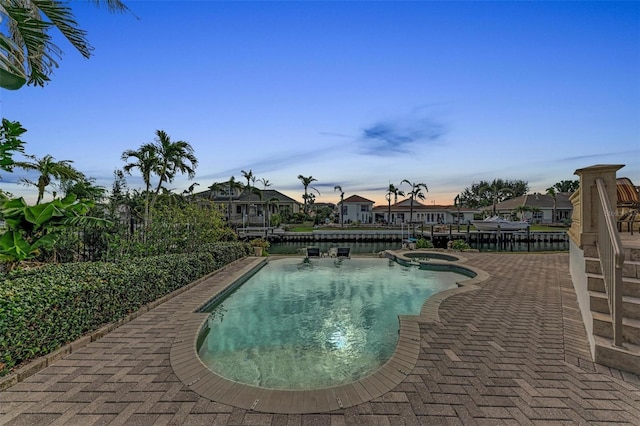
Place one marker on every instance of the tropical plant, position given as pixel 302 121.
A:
pixel 162 158
pixel 233 185
pixel 497 193
pixel 395 191
pixel 31 229
pixel 416 192
pixel 265 183
pixel 534 212
pixel 49 170
pixel 483 193
pixel 259 242
pixel 269 217
pixel 145 160
pixel 10 142
pixel 306 183
pixel 84 188
pixel 551 191
pixel 119 200
pixel 190 189
pixel 27 52
pixel 567 185
pixel 460 245
pixel 521 210
pixel 176 228
pixel 248 176
pixel 457 202
pixel 339 188
pixel 423 243
pixel 171 158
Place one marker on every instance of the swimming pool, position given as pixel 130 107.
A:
pixel 309 325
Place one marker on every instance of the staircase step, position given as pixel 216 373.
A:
pixel 626 358
pixel 598 302
pixel 592 265
pixel 602 327
pixel 632 254
pixel 630 286
pixel 631 269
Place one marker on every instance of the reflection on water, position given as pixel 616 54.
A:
pixel 298 247
pixel 324 324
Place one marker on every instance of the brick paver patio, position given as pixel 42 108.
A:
pixel 513 351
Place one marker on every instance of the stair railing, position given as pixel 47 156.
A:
pixel 611 258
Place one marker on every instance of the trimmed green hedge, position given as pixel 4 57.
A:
pixel 43 309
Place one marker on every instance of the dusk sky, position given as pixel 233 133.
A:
pixel 356 94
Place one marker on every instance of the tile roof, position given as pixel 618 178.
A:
pixel 541 201
pixel 357 199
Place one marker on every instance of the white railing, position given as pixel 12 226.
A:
pixel 611 258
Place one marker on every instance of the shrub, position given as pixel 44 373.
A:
pixel 42 309
pixel 260 242
pixel 423 243
pixel 460 245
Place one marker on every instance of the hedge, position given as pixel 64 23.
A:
pixel 45 308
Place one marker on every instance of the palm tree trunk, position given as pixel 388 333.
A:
pixel 411 218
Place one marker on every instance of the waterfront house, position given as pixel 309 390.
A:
pixel 250 208
pixel 539 208
pixel 357 209
pixel 423 214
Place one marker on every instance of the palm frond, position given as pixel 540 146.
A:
pixel 62 18
pixel 27 29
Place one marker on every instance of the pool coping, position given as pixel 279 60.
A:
pixel 191 371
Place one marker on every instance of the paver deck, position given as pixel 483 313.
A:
pixel 512 351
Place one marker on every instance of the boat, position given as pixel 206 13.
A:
pixel 495 223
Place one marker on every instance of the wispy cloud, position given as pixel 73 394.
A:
pixel 597 156
pixel 399 136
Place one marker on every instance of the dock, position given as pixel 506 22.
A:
pixel 440 235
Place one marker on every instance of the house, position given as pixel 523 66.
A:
pixel 423 214
pixel 356 209
pixel 250 208
pixel 537 208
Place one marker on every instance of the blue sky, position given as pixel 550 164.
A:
pixel 356 94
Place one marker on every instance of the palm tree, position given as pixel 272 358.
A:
pixel 249 177
pixel 214 188
pixel 534 211
pixel 171 158
pixel 416 192
pixel 552 191
pixel 84 188
pixel 395 191
pixel 306 182
pixel 233 185
pixel 49 169
pixel 27 52
pixel 497 193
pixel 272 200
pixel 265 184
pixel 339 188
pixel 521 209
pixel 456 202
pixel 145 160
pixel 189 191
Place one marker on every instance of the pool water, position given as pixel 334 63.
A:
pixel 311 324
